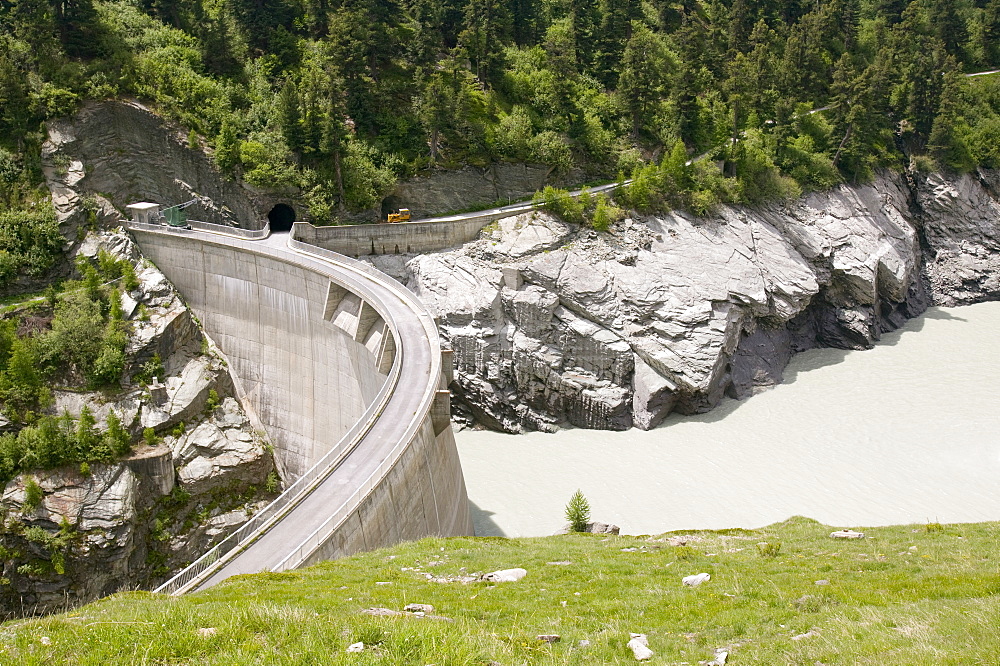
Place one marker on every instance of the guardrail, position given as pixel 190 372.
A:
pixel 232 545
pixel 250 234
pixel 224 229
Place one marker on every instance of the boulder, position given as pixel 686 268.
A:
pixel 506 575
pixel 640 647
pixel 696 579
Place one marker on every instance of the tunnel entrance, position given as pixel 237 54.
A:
pixel 281 217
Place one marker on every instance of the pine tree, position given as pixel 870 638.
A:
pixel 560 56
pixel 87 436
pixel 989 36
pixel 946 142
pixel 227 148
pixel 645 69
pixel 526 21
pixel 578 512
pixel 290 116
pixel 614 32
pixel 487 28
pixel 948 26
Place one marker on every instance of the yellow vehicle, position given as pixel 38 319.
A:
pixel 401 215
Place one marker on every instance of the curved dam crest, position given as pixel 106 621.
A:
pixel 312 343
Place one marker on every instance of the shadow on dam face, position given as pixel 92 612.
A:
pixel 281 217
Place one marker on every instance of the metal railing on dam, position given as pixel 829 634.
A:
pixel 394 473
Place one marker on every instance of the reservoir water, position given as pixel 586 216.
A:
pixel 908 432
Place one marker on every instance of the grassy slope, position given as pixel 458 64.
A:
pixel 904 595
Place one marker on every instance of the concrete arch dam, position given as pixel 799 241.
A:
pixel 342 367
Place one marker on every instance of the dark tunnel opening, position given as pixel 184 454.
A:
pixel 281 217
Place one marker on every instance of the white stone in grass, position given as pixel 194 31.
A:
pixel 418 608
pixel 356 647
pixel 45 640
pixel 847 534
pixel 506 575
pixel 720 658
pixel 640 647
pixel 696 579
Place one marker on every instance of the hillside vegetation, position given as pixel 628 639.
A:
pixel 788 593
pixel 343 97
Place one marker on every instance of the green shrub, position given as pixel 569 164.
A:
pixel 30 243
pixel 578 512
pixel 33 495
pixel 130 281
pixel 213 401
pixel 272 482
pixel 153 368
pixel 769 548
pixel 149 437
pixel 559 202
pixel 605 214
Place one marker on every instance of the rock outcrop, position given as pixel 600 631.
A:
pixel 553 324
pixel 961 224
pixel 102 527
pixel 438 191
pixel 121 153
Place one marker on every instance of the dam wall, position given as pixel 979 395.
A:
pixel 358 240
pixel 306 378
pixel 319 351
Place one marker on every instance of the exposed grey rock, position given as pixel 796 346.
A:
pixel 124 151
pixel 639 645
pixel 696 579
pixel 528 233
pixel 720 658
pixel 847 534
pixel 591 528
pixel 438 191
pixel 672 313
pixel 219 450
pixel 506 575
pixel 418 608
pixel 383 612
pixel 961 225
pixel 187 392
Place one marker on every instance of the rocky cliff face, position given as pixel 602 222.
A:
pixel 104 527
pixel 440 192
pixel 121 153
pixel 553 324
pixel 960 220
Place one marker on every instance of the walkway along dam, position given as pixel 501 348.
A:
pixel 342 367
